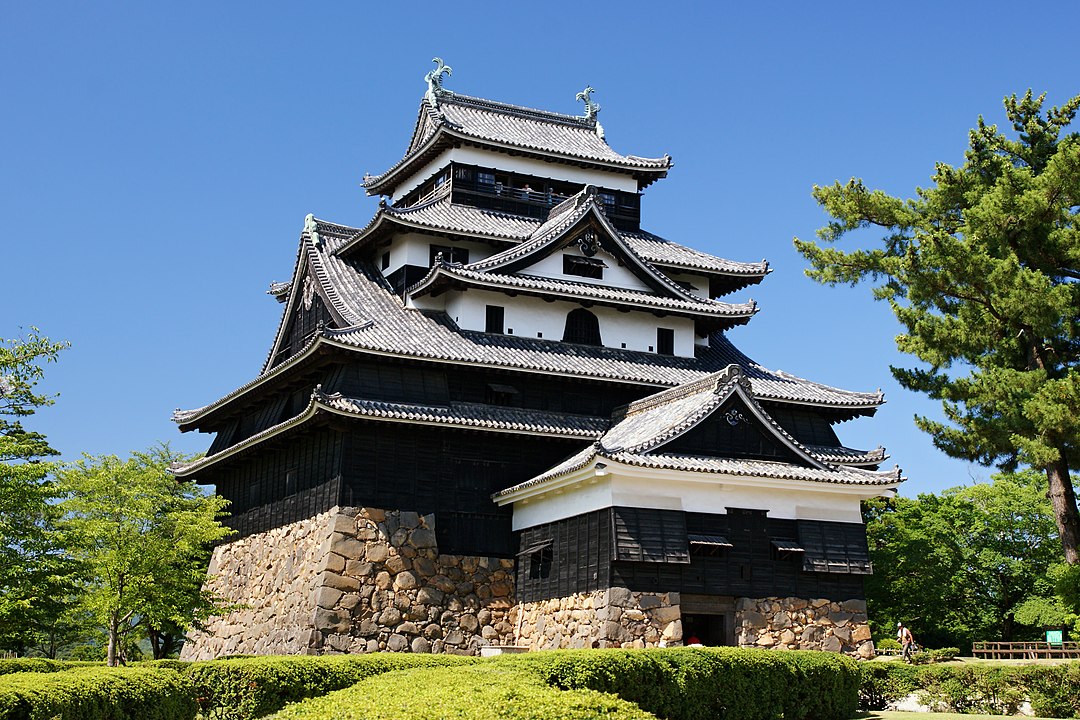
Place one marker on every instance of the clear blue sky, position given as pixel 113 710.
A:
pixel 158 160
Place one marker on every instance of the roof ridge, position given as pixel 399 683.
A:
pixel 519 110
pixel 718 380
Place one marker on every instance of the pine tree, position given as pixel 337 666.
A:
pixel 983 272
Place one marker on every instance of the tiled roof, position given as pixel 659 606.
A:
pixel 659 251
pixel 717 465
pixel 378 322
pixel 848 456
pixel 761 468
pixel 651 422
pixel 579 211
pixel 476 415
pixel 585 291
pixel 511 127
pixel 457 414
pixel 644 427
pixel 445 216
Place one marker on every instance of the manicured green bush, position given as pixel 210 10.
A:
pixel 978 689
pixel 41 665
pixel 887 644
pixel 242 688
pixel 884 683
pixel 491 691
pixel 1054 690
pixel 706 683
pixel 97 693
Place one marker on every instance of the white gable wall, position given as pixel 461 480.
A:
pixel 694 492
pixel 525 166
pixel 534 317
pixel 615 275
pixel 415 249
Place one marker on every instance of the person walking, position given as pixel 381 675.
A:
pixel 906 640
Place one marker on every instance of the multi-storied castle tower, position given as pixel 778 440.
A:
pixel 503 413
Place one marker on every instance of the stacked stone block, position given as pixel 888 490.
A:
pixel 798 624
pixel 612 618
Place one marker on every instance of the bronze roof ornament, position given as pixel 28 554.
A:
pixel 434 82
pixel 591 109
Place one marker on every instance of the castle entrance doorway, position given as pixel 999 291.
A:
pixel 708 618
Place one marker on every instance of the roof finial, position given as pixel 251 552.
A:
pixel 311 227
pixel 591 108
pixel 434 81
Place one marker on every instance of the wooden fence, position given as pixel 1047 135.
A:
pixel 1032 650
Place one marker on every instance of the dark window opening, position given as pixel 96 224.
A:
pixel 449 254
pixel 665 341
pixel 608 201
pixel 787 550
pixel 540 557
pixel 290 482
pixel 582 327
pixel 505 395
pixel 385 260
pixel 708 545
pixel 495 319
pixel 583 266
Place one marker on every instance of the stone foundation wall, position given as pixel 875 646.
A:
pixel 363 580
pixel 355 580
pixel 610 618
pixel 797 624
pixel 275 575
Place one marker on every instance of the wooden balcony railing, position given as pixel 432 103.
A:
pixel 1032 650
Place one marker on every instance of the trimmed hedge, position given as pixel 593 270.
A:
pixel 97 693
pixel 40 665
pixel 1052 690
pixel 706 683
pixel 242 688
pixel 492 691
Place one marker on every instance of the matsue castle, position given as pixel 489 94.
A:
pixel 503 413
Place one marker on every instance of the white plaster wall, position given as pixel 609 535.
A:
pixel 526 166
pixel 706 493
pixel 534 317
pixel 615 275
pixel 414 249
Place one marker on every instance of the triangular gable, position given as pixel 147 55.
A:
pixel 308 301
pixel 732 431
pixel 428 121
pixel 650 425
pixel 570 222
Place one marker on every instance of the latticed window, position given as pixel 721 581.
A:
pixel 582 327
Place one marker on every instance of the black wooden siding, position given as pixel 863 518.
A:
pixel 449 472
pixel 301 326
pixel 282 485
pixel 608 555
pixel 807 427
pixel 581 549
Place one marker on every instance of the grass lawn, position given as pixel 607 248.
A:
pixel 893 715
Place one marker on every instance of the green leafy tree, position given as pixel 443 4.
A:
pixel 983 271
pixel 33 567
pixel 968 564
pixel 144 537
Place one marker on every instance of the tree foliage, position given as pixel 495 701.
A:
pixel 144 536
pixel 972 563
pixel 983 272
pixel 33 568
